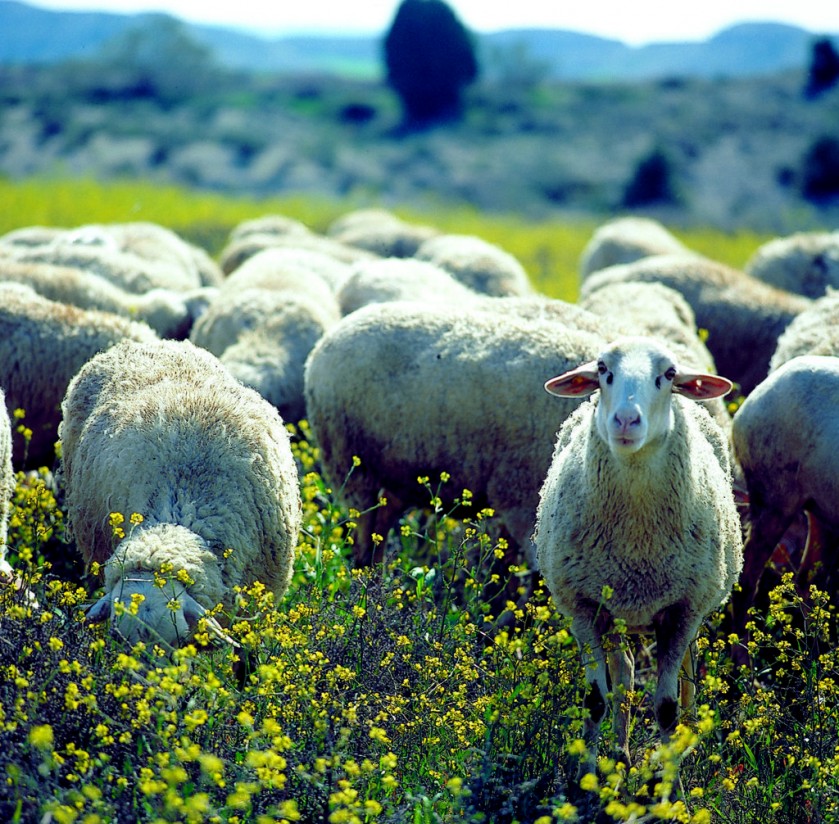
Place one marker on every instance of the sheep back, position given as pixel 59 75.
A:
pixel 163 430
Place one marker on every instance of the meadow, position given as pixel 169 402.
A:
pixel 386 695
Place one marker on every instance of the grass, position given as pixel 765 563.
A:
pixel 549 250
pixel 385 695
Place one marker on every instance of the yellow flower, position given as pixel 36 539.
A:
pixel 41 737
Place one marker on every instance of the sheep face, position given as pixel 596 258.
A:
pixel 167 614
pixel 636 378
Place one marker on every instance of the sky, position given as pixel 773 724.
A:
pixel 632 21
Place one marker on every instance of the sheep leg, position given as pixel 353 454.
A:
pixel 588 628
pixel 676 627
pixel 622 673
pixel 687 684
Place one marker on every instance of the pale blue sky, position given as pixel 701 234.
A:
pixel 632 21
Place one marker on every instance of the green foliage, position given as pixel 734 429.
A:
pixel 429 58
pixel 823 72
pixel 820 173
pixel 388 695
pixel 652 184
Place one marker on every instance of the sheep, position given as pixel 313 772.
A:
pixel 162 430
pixel 416 390
pixel 141 240
pixel 170 314
pixel 743 316
pixel 7 486
pixel 476 263
pixel 813 332
pixel 637 504
pixel 625 240
pixel 254 293
pixel 806 263
pixel 239 249
pixel 381 232
pixel 391 279
pixel 270 224
pixel 42 346
pixel 786 446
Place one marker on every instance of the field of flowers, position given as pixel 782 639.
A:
pixel 387 695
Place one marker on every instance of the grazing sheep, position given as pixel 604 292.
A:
pixel 240 248
pixel 7 485
pixel 786 438
pixel 416 390
pixel 140 241
pixel 814 332
pixel 806 263
pixel 625 240
pixel 42 346
pixel 476 263
pixel 743 316
pixel 161 429
pixel 170 314
pixel 390 279
pixel 638 504
pixel 380 232
pixel 274 335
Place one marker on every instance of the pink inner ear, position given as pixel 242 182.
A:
pixel 702 387
pixel 575 384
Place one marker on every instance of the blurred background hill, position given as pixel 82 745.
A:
pixel 722 132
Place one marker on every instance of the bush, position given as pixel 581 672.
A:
pixel 823 73
pixel 652 184
pixel 820 173
pixel 429 59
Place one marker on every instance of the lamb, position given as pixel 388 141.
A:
pixel 625 240
pixel 813 332
pixel 476 263
pixel 170 314
pixel 806 263
pixel 787 446
pixel 396 278
pixel 457 390
pixel 162 430
pixel 637 504
pixel 42 346
pixel 743 316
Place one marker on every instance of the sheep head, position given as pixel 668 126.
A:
pixel 167 613
pixel 636 377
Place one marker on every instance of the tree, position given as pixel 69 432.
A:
pixel 820 177
pixel 429 58
pixel 824 68
pixel 652 184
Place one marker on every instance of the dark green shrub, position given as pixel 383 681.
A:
pixel 429 58
pixel 824 68
pixel 820 173
pixel 652 184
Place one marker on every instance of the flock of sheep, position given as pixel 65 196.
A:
pixel 167 377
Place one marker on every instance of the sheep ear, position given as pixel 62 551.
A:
pixel 99 612
pixel 578 383
pixel 194 612
pixel 701 387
